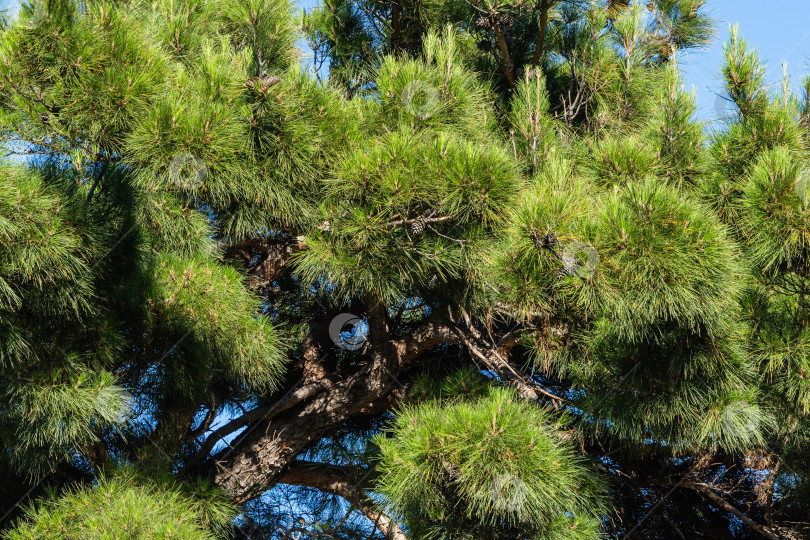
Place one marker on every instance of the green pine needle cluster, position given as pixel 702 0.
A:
pixel 505 194
pixel 487 467
pixel 124 505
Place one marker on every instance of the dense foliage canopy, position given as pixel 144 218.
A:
pixel 471 270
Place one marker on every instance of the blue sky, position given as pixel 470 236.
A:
pixel 779 29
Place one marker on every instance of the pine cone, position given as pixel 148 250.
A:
pixel 418 225
pixel 569 267
pixel 482 22
pixel 267 82
pixel 546 241
pixel 507 20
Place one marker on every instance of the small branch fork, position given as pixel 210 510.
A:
pixel 337 481
pixel 494 359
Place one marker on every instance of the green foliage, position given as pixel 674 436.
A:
pixel 678 139
pixel 207 301
pixel 44 257
pixel 486 468
pixel 509 189
pixel 775 211
pixel 56 391
pixel 368 244
pixel 124 505
pixel 619 159
pixel 552 217
pixel 532 127
pixel 466 384
pixel 664 258
pixel 48 415
pixel 434 91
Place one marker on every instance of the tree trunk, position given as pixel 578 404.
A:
pixel 332 479
pixel 253 462
pixel 396 27
pixel 721 503
pixel 505 59
pixel 545 6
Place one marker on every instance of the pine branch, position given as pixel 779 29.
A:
pixel 493 358
pixel 420 219
pixel 707 491
pixel 544 6
pixel 341 481
pixel 505 59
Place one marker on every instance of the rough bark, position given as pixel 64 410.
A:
pixel 337 481
pixel 324 397
pixel 721 503
pixel 274 256
pixel 545 7
pixel 254 460
pixel 505 59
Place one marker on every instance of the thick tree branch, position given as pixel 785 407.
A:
pixel 717 500
pixel 275 254
pixel 314 380
pixel 344 482
pixel 258 414
pixel 254 460
pixel 396 27
pixel 210 415
pixel 545 7
pixel 97 180
pixel 505 59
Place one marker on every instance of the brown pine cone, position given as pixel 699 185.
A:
pixel 267 82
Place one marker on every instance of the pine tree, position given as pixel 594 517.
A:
pixel 478 274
